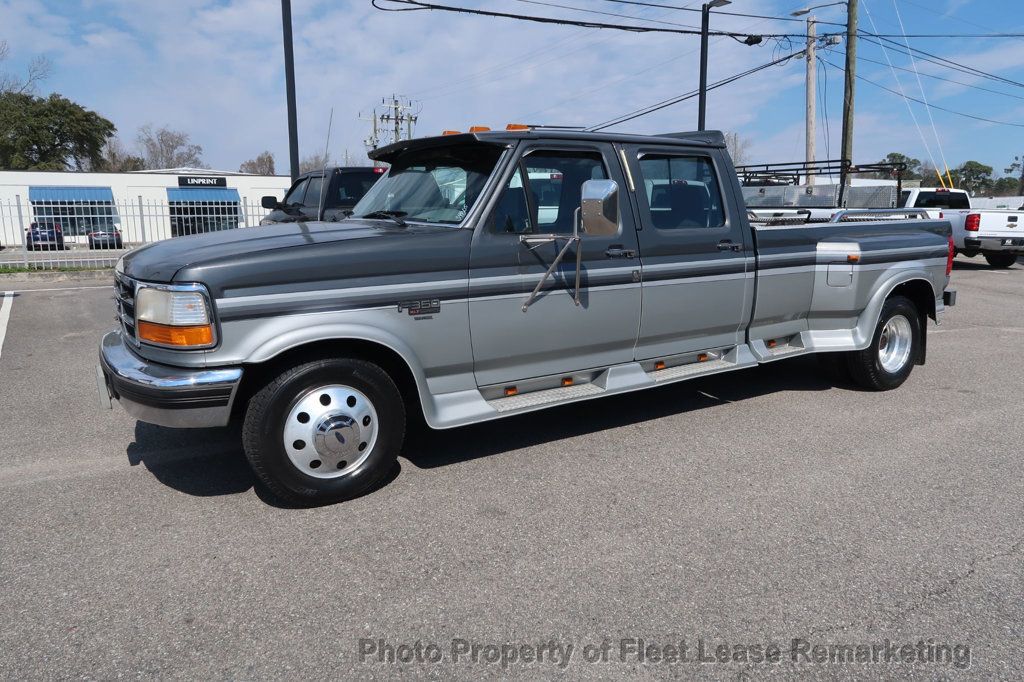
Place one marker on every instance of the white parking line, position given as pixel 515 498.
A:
pixel 5 316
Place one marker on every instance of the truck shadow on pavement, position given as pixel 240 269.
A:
pixel 427 449
pixel 210 462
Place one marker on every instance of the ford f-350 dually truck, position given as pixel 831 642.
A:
pixel 494 273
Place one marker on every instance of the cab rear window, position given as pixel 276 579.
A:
pixel 942 200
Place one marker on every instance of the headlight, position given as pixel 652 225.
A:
pixel 177 316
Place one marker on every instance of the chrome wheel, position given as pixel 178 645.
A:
pixel 330 431
pixel 895 343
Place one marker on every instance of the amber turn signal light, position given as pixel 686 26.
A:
pixel 175 336
pixel 853 258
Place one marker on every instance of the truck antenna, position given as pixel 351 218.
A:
pixel 324 179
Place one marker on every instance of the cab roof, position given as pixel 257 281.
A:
pixel 707 138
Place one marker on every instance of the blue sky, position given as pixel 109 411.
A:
pixel 214 69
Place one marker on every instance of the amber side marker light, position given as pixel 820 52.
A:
pixel 772 343
pixel 201 335
pixel 566 381
pixel 853 258
pixel 660 364
pixel 511 391
pixel 703 357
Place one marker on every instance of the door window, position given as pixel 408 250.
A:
pixel 312 199
pixel 545 191
pixel 682 192
pixel 296 193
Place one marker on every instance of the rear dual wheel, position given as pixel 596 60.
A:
pixel 895 346
pixel 325 431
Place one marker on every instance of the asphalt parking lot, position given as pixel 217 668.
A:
pixel 746 510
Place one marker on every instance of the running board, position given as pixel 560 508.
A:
pixel 769 350
pixel 690 370
pixel 544 397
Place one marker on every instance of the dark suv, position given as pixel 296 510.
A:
pixel 346 187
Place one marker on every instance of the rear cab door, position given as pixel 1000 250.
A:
pixel 696 250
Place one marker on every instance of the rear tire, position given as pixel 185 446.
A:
pixel 324 431
pixel 887 362
pixel 1001 260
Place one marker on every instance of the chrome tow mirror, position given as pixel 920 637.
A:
pixel 600 208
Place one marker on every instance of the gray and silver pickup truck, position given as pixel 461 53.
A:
pixel 494 273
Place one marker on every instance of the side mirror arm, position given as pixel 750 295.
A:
pixel 535 241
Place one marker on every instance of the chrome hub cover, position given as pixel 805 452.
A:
pixel 895 343
pixel 330 431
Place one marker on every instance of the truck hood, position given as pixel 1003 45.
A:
pixel 295 253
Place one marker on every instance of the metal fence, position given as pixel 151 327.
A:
pixel 94 234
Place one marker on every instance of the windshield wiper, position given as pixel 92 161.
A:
pixel 393 215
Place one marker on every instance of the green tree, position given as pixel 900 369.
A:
pixel 51 133
pixel 1005 187
pixel 1017 167
pixel 913 171
pixel 973 176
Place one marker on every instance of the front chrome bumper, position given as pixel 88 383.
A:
pixel 165 395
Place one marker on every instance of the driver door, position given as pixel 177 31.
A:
pixel 541 195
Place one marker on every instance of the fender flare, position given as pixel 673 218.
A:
pixel 868 320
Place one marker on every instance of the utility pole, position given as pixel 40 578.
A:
pixel 396 115
pixel 289 85
pixel 812 90
pixel 849 86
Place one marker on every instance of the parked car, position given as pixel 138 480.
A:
pixel 450 293
pixel 309 200
pixel 44 237
pixel 105 239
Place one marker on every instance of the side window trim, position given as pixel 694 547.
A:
pixel 638 154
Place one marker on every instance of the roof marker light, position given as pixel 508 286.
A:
pixel 517 126
pixel 451 132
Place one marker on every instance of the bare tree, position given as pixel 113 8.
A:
pixel 313 162
pixel 39 69
pixel 737 147
pixel 261 165
pixel 166 148
pixel 117 159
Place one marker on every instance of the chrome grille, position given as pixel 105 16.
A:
pixel 124 302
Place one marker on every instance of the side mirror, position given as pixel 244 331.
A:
pixel 600 208
pixel 269 203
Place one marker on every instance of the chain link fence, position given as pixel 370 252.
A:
pixel 49 235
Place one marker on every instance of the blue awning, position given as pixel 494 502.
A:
pixel 55 193
pixel 222 194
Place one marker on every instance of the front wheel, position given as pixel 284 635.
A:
pixel 1001 260
pixel 895 345
pixel 325 431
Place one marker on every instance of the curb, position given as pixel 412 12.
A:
pixel 58 276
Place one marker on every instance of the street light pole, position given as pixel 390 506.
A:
pixel 705 20
pixel 289 84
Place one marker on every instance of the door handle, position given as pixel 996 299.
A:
pixel 729 245
pixel 617 251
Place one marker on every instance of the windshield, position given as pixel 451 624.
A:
pixel 431 185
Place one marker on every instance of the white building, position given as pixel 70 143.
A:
pixel 144 206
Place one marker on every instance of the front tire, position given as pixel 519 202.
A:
pixel 1001 260
pixel 325 431
pixel 895 346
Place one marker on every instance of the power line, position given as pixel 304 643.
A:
pixel 718 11
pixel 935 106
pixel 936 59
pixel 418 4
pixel 607 14
pixel 945 80
pixel 689 95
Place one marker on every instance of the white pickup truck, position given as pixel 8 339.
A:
pixel 998 235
